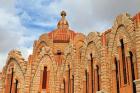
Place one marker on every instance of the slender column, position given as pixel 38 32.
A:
pixel 114 79
pixel 85 82
pixel 130 81
pixel 28 75
pixel 121 67
pixel 115 76
pixel 8 79
pixel 137 34
pixel 105 71
pixel 41 79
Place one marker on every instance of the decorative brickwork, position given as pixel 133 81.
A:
pixel 64 61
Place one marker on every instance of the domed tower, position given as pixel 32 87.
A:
pixel 61 36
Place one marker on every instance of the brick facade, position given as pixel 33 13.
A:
pixel 64 61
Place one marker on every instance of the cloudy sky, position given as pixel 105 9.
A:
pixel 23 21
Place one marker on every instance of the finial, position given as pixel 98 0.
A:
pixel 63 14
pixel 63 23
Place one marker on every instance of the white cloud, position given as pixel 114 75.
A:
pixel 96 15
pixel 7 5
pixel 2 60
pixel 83 16
pixel 13 36
pixel 10 30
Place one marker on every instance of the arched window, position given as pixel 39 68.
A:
pixel 72 83
pixel 16 86
pixel 98 78
pixel 64 83
pixel 133 72
pixel 68 78
pixel 86 74
pixel 59 59
pixel 44 81
pixel 117 76
pixel 12 74
pixel 123 61
pixel 91 64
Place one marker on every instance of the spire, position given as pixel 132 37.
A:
pixel 63 23
pixel 63 14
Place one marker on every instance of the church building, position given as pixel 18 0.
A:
pixel 65 61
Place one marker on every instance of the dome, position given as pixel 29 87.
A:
pixel 62 34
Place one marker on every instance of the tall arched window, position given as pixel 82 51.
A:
pixel 133 72
pixel 86 74
pixel 12 74
pixel 64 83
pixel 123 61
pixel 117 76
pixel 98 78
pixel 68 78
pixel 91 64
pixel 72 83
pixel 44 81
pixel 16 86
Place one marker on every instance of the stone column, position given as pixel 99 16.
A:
pixel 67 80
pixel 105 73
pixel 130 73
pixel 7 85
pixel 41 79
pixel 28 76
pixel 105 67
pixel 85 83
pixel 137 34
pixel 114 79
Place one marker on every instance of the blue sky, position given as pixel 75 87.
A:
pixel 23 21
